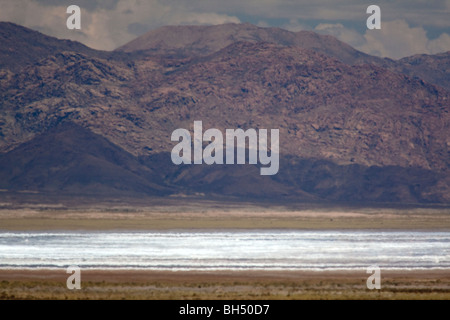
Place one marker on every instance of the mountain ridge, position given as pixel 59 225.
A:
pixel 381 131
pixel 205 40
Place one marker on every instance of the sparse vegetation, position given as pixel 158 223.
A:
pixel 188 285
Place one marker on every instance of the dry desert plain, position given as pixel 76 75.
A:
pixel 193 215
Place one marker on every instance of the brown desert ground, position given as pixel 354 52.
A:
pixel 145 284
pixel 193 285
pixel 203 214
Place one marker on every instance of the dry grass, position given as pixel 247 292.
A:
pixel 115 285
pixel 41 284
pixel 227 217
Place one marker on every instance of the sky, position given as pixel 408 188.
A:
pixel 408 27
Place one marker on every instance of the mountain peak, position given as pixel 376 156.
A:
pixel 347 131
pixel 204 40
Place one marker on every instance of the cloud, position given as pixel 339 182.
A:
pixel 203 18
pixel 295 25
pixel 396 39
pixel 416 12
pixel 441 44
pixel 347 35
pixel 108 24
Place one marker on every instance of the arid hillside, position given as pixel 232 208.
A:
pixel 353 127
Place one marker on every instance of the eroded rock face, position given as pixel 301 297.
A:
pixel 350 115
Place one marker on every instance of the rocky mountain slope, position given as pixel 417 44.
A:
pixel 188 41
pixel 22 46
pixel 352 127
pixel 432 68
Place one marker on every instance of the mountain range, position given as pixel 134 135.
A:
pixel 353 127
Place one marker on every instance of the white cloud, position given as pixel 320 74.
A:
pixel 441 44
pixel 113 24
pixel 108 24
pixel 263 24
pixel 342 33
pixel 295 25
pixel 396 39
pixel 203 18
pixel 418 12
pixel 32 14
pixel 104 28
